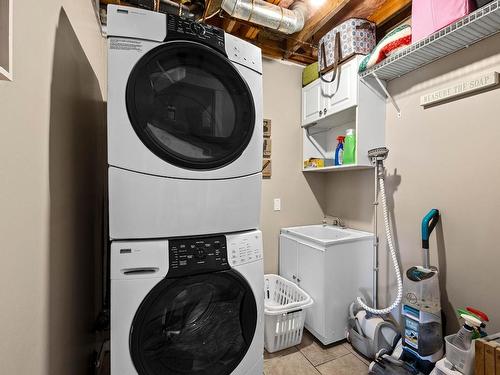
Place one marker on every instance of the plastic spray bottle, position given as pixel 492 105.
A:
pixel 339 151
pixel 463 339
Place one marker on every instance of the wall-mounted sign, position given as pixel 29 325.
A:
pixel 266 168
pixel 266 152
pixel 462 88
pixel 267 128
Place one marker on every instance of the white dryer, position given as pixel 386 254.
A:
pixel 188 306
pixel 184 127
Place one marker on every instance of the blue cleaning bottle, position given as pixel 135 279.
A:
pixel 339 151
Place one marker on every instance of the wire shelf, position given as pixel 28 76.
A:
pixel 478 25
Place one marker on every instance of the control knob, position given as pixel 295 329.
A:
pixel 197 28
pixel 200 253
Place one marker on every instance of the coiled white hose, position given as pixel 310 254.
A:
pixel 395 262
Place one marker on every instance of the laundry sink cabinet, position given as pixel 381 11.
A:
pixel 332 271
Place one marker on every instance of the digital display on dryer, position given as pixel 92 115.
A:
pixel 189 256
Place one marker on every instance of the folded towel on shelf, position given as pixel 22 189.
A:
pixel 397 39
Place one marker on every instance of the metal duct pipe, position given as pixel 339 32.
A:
pixel 262 13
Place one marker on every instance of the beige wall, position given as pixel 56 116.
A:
pixel 301 196
pixel 51 147
pixel 444 157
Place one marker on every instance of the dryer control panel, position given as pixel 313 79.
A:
pixel 244 248
pixel 193 255
pixel 181 28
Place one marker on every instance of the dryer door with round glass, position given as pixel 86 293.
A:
pixel 190 106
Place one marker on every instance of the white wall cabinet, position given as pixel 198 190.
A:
pixel 312 102
pixel 333 277
pixel 329 109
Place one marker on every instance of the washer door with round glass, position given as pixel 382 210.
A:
pixel 199 325
pixel 190 106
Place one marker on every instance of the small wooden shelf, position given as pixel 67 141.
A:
pixel 468 30
pixel 337 168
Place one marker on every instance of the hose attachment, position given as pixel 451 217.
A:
pixel 394 258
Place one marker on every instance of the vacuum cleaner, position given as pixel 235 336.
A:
pixel 421 310
pixel 422 331
pixel 421 343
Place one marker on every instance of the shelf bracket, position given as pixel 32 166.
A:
pixel 384 90
pixel 312 140
pixel 388 95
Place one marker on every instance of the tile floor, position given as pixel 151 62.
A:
pixel 312 358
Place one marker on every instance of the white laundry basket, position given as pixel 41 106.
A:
pixel 285 305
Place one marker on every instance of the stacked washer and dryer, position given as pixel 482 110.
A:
pixel 184 155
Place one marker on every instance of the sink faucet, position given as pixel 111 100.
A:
pixel 324 221
pixel 338 222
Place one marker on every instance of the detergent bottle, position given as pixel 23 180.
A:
pixel 339 151
pixel 349 147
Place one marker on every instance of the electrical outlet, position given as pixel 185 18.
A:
pixel 277 204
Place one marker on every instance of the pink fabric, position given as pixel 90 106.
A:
pixel 428 16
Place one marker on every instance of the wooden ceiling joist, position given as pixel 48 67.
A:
pixel 388 10
pixel 322 16
pixel 230 25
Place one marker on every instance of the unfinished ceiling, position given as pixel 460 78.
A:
pixel 301 46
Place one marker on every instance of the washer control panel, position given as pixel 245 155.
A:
pixel 187 256
pixel 181 28
pixel 244 248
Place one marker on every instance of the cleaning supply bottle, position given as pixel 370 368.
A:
pixel 339 151
pixel 480 331
pixel 463 339
pixel 349 147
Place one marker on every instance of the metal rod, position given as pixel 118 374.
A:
pixel 375 239
pixel 427 259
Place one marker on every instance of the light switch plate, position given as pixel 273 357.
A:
pixel 277 204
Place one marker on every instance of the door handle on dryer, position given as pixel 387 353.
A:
pixel 140 270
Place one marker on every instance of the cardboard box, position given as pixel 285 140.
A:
pixel 317 163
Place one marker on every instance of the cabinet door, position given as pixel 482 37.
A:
pixel 288 259
pixel 311 102
pixel 342 93
pixel 311 278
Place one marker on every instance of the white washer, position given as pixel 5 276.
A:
pixel 188 306
pixel 184 127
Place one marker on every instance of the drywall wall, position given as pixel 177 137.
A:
pixel 51 147
pixel 301 196
pixel 443 157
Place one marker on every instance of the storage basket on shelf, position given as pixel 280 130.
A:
pixel 463 360
pixel 429 16
pixel 285 312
